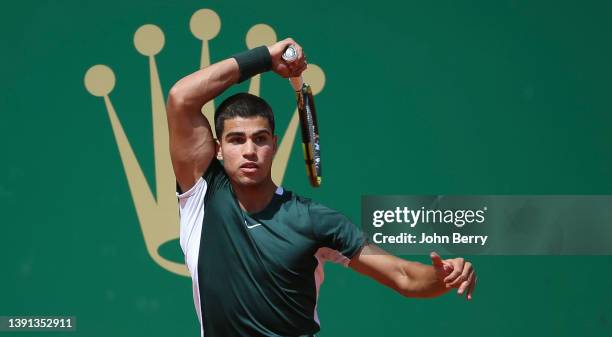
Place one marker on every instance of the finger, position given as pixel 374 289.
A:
pixel 287 42
pixel 466 283
pixel 457 270
pixel 300 52
pixel 436 260
pixel 452 276
pixel 297 64
pixel 471 288
pixel 299 71
pixel 467 269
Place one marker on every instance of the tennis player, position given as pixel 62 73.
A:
pixel 255 251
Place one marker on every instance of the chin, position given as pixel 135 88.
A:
pixel 250 181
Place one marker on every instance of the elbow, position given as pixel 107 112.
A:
pixel 183 96
pixel 177 99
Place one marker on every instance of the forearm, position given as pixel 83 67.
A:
pixel 414 279
pixel 420 280
pixel 194 90
pixel 411 279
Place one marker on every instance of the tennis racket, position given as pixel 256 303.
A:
pixel 308 122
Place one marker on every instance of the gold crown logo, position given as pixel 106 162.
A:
pixel 158 212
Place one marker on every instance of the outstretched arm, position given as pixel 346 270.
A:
pixel 414 279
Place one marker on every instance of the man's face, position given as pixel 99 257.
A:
pixel 247 148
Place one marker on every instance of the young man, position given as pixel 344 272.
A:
pixel 254 250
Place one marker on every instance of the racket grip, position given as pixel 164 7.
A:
pixel 296 83
pixel 290 55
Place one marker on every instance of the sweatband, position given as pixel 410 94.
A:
pixel 252 62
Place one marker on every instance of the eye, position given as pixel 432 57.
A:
pixel 260 139
pixel 236 140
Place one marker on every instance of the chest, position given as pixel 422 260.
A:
pixel 279 242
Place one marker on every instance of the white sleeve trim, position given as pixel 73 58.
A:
pixel 325 254
pixel 191 212
pixel 190 191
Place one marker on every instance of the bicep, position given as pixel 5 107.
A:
pixel 192 145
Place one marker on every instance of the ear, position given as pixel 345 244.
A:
pixel 275 140
pixel 218 150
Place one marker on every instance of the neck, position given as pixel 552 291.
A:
pixel 254 198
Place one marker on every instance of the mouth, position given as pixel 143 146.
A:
pixel 249 167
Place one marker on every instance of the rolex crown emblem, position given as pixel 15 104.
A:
pixel 157 211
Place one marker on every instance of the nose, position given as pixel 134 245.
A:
pixel 250 149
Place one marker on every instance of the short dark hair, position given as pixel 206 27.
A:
pixel 242 105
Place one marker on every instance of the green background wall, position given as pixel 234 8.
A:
pixel 440 97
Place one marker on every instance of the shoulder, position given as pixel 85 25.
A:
pixel 312 207
pixel 296 201
pixel 294 208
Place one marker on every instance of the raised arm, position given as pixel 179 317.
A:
pixel 192 146
pixel 414 279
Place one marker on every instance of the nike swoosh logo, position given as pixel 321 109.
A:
pixel 251 226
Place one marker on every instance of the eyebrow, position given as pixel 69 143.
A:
pixel 242 134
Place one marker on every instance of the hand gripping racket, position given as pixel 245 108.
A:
pixel 308 122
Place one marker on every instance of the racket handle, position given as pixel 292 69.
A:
pixel 296 83
pixel 308 121
pixel 290 55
